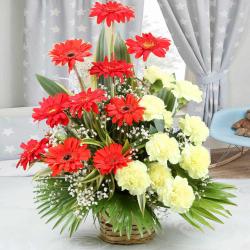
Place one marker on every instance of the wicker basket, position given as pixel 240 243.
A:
pixel 109 236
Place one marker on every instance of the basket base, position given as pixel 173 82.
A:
pixel 111 237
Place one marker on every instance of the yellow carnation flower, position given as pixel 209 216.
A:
pixel 154 73
pixel 195 128
pixel 179 196
pixel 188 91
pixel 196 160
pixel 162 148
pixel 154 107
pixel 168 119
pixel 133 178
pixel 160 175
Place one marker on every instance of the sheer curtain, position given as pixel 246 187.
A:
pixel 51 21
pixel 206 33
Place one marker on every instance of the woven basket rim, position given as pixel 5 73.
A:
pixel 108 235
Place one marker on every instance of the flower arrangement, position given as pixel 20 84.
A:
pixel 115 149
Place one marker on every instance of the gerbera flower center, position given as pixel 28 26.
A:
pixel 126 108
pixel 52 110
pixel 71 54
pixel 67 157
pixel 111 9
pixel 148 44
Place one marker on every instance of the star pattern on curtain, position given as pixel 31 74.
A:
pixel 50 21
pixel 207 34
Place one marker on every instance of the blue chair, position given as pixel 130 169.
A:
pixel 221 130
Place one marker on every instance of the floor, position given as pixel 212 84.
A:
pixel 239 168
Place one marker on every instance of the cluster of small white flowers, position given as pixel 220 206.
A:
pixel 138 133
pixel 75 180
pixel 54 135
pixel 85 132
pixel 182 140
pixel 124 89
pixel 86 198
pixel 103 120
pixel 105 88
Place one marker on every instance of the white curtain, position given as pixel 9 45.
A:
pixel 51 21
pixel 206 33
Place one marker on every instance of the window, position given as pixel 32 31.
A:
pixel 153 21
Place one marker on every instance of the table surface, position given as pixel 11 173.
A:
pixel 22 229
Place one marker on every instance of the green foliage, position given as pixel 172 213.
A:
pixel 168 98
pixel 56 203
pixel 210 205
pixel 156 86
pixel 159 125
pixel 120 49
pixel 51 87
pixel 101 47
pixel 122 211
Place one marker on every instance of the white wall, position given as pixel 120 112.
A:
pixel 11 52
pixel 239 75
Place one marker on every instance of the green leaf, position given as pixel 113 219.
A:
pixel 207 214
pixel 191 221
pixel 195 214
pixel 101 47
pixel 159 124
pixel 93 142
pixel 141 202
pixel 156 86
pixel 51 87
pixel 168 98
pixel 126 146
pixel 121 52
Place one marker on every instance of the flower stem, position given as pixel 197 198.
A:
pixel 79 78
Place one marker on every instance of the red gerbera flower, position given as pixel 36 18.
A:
pixel 69 52
pixel 67 157
pixel 112 68
pixel 146 44
pixel 86 100
pixel 125 110
pixel 111 12
pixel 52 108
pixel 33 150
pixel 110 158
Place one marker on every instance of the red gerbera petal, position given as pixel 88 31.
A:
pixel 32 151
pixel 69 52
pixel 52 108
pixel 112 68
pixel 111 12
pixel 86 100
pixel 146 44
pixel 125 110
pixel 67 157
pixel 110 158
